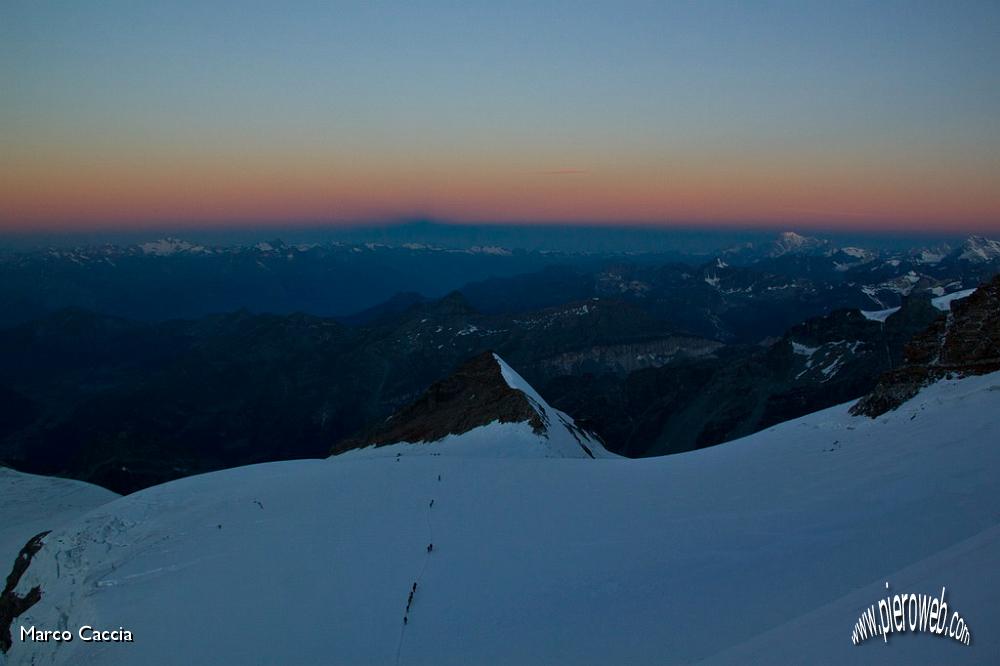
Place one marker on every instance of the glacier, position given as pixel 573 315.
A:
pixel 761 550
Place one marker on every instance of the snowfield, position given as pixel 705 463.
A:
pixel 763 550
pixel 30 504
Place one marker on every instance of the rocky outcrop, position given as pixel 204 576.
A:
pixel 964 341
pixel 476 394
pixel 12 604
pixel 628 357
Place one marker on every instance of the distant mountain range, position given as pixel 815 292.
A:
pixel 653 357
pixel 751 293
pixel 172 278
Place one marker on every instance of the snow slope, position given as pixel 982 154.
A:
pixel 964 566
pixel 30 504
pixel 761 550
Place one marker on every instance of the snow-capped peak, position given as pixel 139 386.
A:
pixel 791 242
pixel 275 245
pixel 978 249
pixel 165 247
pixel 792 239
pixel 484 409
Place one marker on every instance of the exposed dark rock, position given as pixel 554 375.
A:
pixel 476 394
pixel 11 604
pixel 965 341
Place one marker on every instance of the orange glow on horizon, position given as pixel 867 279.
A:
pixel 80 191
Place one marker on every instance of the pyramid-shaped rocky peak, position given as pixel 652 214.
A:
pixel 482 393
pixel 451 304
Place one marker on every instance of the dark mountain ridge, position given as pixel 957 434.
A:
pixel 128 404
pixel 474 395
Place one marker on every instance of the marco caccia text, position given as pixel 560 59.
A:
pixel 86 633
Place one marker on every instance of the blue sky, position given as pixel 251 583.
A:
pixel 862 112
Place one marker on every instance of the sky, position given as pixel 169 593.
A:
pixel 854 115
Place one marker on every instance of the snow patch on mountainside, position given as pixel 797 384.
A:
pixel 879 315
pixel 803 350
pixel 858 253
pixel 943 303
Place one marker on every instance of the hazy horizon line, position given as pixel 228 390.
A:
pixel 455 233
pixel 415 221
